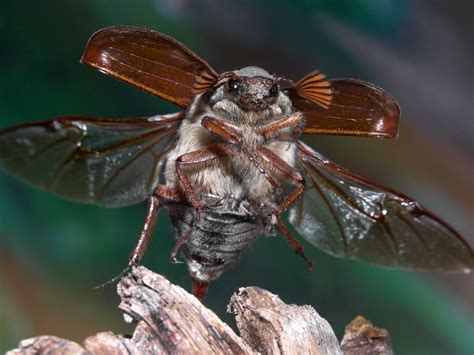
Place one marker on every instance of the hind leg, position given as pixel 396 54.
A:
pixel 293 177
pixel 143 241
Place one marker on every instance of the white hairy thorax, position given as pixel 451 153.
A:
pixel 235 176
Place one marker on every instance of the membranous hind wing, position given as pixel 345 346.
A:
pixel 151 61
pixel 345 107
pixel 109 162
pixel 347 216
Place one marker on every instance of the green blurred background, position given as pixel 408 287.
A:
pixel 52 252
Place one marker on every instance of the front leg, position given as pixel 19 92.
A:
pixel 293 121
pixel 230 134
pixel 222 130
pixel 196 160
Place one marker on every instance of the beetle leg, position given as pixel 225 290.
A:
pixel 295 178
pixel 168 194
pixel 229 134
pixel 222 130
pixel 146 233
pixel 287 172
pixel 197 159
pixel 272 129
pixel 294 244
pixel 143 241
pixel 232 135
pixel 162 193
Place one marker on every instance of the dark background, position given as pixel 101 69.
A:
pixel 52 252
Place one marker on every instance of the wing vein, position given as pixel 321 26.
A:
pixel 144 150
pixel 167 53
pixel 331 208
pixel 147 73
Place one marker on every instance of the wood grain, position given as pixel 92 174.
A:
pixel 169 320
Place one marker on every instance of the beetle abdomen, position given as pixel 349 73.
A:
pixel 218 239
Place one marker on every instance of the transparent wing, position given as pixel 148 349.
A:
pixel 355 108
pixel 109 162
pixel 349 217
pixel 151 61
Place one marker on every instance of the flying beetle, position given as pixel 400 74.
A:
pixel 230 162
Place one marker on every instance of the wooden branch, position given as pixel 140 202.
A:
pixel 269 325
pixel 170 320
pixel 363 338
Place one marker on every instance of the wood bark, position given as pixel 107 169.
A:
pixel 363 338
pixel 169 320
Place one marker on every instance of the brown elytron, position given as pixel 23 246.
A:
pixel 231 163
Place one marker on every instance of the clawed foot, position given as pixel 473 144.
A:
pixel 131 265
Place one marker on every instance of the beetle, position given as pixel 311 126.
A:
pixel 230 162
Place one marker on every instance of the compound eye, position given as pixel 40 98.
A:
pixel 233 85
pixel 273 90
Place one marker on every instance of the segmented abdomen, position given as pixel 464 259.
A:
pixel 218 239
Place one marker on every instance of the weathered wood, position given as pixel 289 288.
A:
pixel 171 320
pixel 46 344
pixel 271 326
pixel 363 338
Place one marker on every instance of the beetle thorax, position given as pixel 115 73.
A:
pixel 235 175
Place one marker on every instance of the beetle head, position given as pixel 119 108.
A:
pixel 251 88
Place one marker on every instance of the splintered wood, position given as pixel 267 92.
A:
pixel 169 320
pixel 271 326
